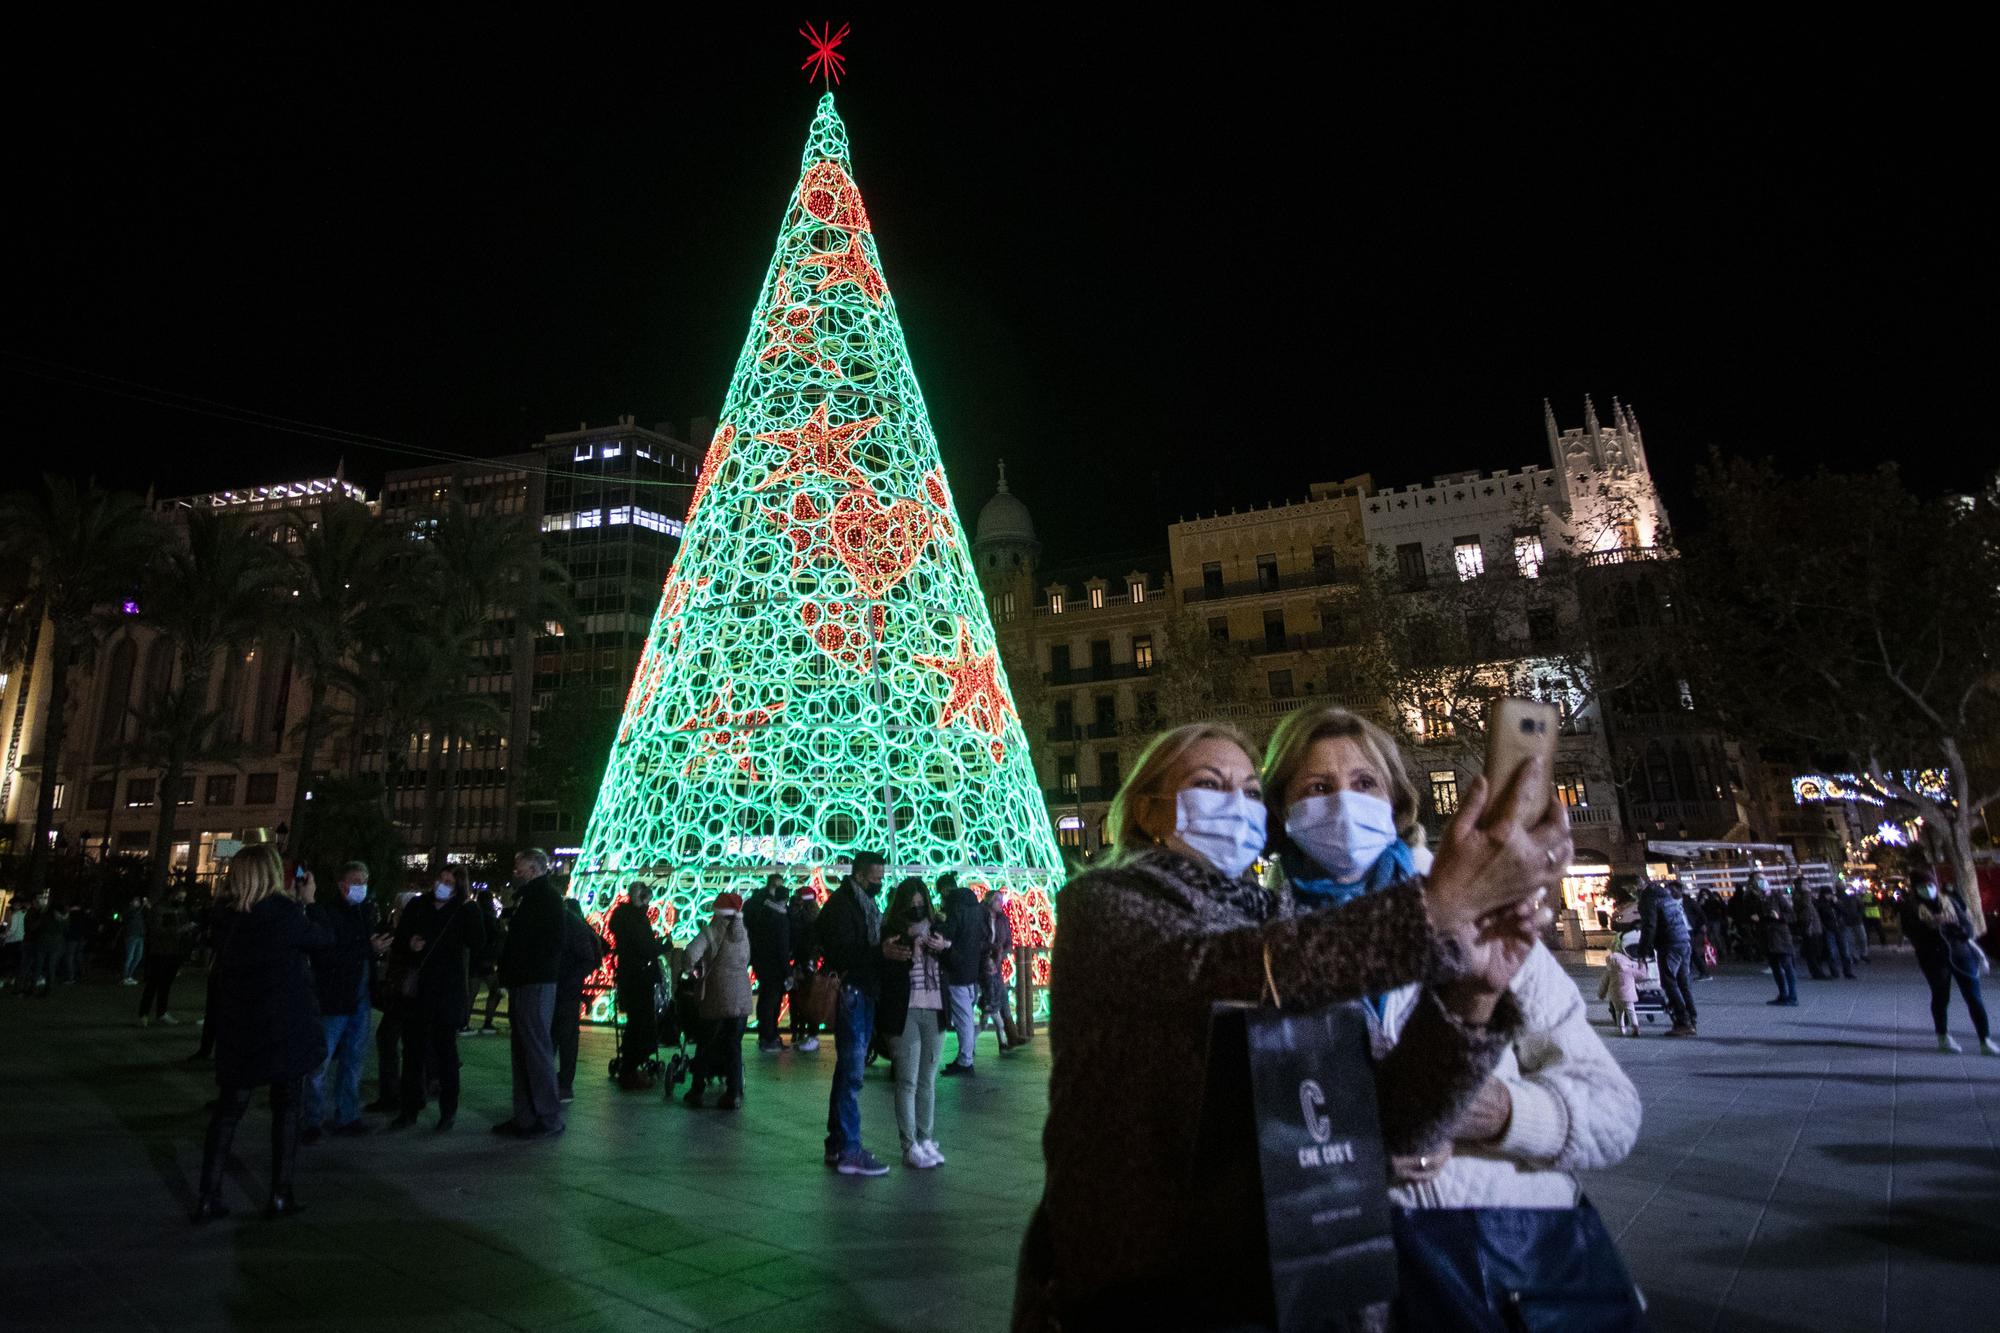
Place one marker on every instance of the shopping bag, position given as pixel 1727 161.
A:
pixel 1512 1270
pixel 822 995
pixel 1291 1174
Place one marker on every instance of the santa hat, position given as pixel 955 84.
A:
pixel 728 904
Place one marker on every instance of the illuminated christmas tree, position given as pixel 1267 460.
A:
pixel 822 675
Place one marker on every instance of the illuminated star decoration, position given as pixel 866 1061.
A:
pixel 849 265
pixel 829 195
pixel 723 731
pixel 790 328
pixel 817 447
pixel 975 695
pixel 825 62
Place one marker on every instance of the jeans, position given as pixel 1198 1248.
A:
pixel 531 1017
pixel 1941 970
pixel 1674 983
pixel 135 950
pixel 1787 977
pixel 1857 943
pixel 719 1055
pixel 853 1030
pixel 964 1024
pixel 914 1063
pixel 1836 953
pixel 347 1048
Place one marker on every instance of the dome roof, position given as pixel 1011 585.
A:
pixel 1004 518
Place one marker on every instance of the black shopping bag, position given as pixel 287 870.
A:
pixel 1291 1174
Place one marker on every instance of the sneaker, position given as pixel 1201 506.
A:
pixel 955 1068
pixel 770 1047
pixel 170 1020
pixel 809 1044
pixel 1987 1046
pixel 566 1095
pixel 488 1031
pixel 861 1162
pixel 916 1158
pixel 129 981
pixel 144 1021
pixel 1947 1045
pixel 931 1150
pixel 833 1156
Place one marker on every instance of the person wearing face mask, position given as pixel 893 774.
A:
pixel 438 935
pixel 850 938
pixel 992 979
pixel 1556 1102
pixel 1937 923
pixel 1117 1239
pixel 343 974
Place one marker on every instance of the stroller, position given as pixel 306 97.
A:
pixel 1651 1005
pixel 680 1019
pixel 650 1067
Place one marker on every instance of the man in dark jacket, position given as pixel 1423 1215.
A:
pixel 850 936
pixel 1834 933
pixel 582 954
pixel 804 914
pixel 343 975
pixel 1664 933
pixel 1771 914
pixel 965 927
pixel 638 952
pixel 529 963
pixel 767 919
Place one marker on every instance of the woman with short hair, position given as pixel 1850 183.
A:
pixel 1172 924
pixel 1556 1102
pixel 269 1034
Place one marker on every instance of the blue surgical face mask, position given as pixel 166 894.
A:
pixel 1225 828
pixel 1344 833
pixel 357 894
pixel 444 892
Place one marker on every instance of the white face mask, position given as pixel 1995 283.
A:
pixel 1344 833
pixel 444 892
pixel 357 894
pixel 1225 828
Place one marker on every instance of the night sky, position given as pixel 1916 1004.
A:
pixel 1160 265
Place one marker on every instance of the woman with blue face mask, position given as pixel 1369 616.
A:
pixel 1556 1101
pixel 1173 921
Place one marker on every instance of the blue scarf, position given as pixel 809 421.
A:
pixel 1317 892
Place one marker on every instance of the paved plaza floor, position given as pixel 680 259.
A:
pixel 1817 1168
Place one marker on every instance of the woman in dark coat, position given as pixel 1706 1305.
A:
pixel 439 935
pixel 269 1034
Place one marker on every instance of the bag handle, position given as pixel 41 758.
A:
pixel 1270 982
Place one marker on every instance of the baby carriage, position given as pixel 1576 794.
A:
pixel 680 1020
pixel 1651 1005
pixel 650 1067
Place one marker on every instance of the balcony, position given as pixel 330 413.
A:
pixel 1075 605
pixel 1096 671
pixel 1060 798
pixel 1625 555
pixel 1297 643
pixel 1592 814
pixel 1310 578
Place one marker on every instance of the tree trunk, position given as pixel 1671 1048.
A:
pixel 168 797
pixel 55 728
pixel 447 801
pixel 297 845
pixel 433 831
pixel 1958 835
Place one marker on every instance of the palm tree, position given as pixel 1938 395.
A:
pixel 213 590
pixel 339 565
pixel 84 548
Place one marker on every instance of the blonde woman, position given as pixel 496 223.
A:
pixel 1174 923
pixel 269 1034
pixel 1557 1101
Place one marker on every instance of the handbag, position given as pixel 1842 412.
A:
pixel 1290 1169
pixel 1512 1270
pixel 1709 958
pixel 821 997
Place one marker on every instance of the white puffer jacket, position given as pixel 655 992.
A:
pixel 1574 1108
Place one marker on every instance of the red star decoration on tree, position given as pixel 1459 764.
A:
pixel 817 447
pixel 723 731
pixel 829 195
pixel 805 527
pixel 711 464
pixel 791 330
pixel 975 694
pixel 673 600
pixel 849 265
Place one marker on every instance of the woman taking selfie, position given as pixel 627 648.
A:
pixel 1174 924
pixel 907 1016
pixel 270 1033
pixel 1343 814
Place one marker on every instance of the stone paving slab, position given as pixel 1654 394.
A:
pixel 1818 1168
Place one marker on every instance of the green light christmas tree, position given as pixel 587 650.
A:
pixel 822 675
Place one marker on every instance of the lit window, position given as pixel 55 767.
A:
pixel 1096 599
pixel 1528 554
pixel 552 628
pixel 621 514
pixel 1138 590
pixel 1142 652
pixel 1055 603
pixel 558 522
pixel 1069 831
pixel 1006 606
pixel 1444 791
pixel 590 518
pixel 611 451
pixel 1469 557
pixel 1571 791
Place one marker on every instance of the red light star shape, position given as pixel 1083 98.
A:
pixel 817 447
pixel 723 731
pixel 849 265
pixel 975 694
pixel 790 328
pixel 825 62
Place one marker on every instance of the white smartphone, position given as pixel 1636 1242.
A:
pixel 1516 731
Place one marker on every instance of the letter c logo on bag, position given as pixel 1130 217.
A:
pixel 1312 1101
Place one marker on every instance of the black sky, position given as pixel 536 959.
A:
pixel 1160 265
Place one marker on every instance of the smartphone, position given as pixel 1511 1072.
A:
pixel 1516 731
